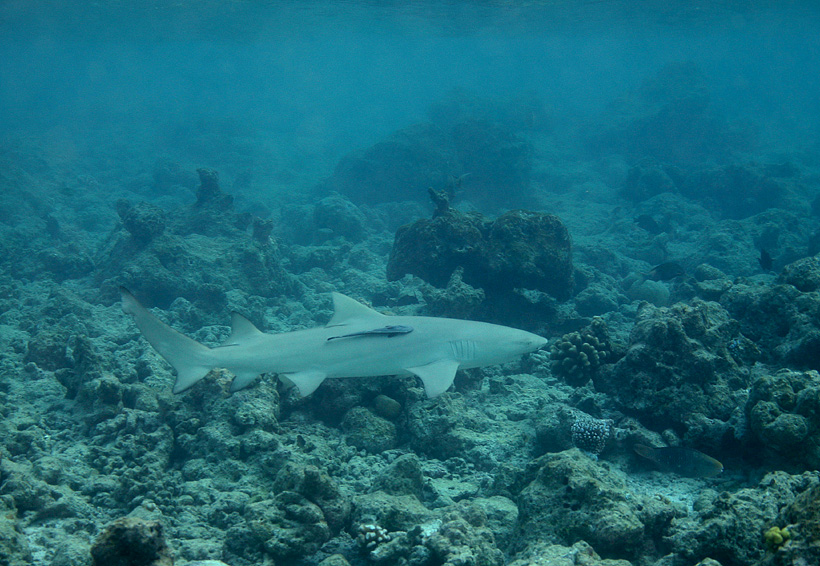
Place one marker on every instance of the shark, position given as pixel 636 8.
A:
pixel 357 342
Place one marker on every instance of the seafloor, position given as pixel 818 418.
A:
pixel 528 463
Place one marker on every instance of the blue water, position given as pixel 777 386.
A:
pixel 346 73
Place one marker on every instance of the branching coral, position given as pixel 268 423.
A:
pixel 577 356
pixel 371 535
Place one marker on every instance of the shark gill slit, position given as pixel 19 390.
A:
pixel 463 350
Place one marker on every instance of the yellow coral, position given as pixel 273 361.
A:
pixel 776 537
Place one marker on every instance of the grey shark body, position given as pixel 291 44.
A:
pixel 357 342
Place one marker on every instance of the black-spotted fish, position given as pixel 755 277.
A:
pixel 683 461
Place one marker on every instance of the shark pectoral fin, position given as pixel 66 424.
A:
pixel 437 377
pixel 241 380
pixel 305 381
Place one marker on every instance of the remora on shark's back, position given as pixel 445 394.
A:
pixel 357 342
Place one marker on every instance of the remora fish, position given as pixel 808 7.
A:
pixel 683 461
pixel 389 331
pixel 434 350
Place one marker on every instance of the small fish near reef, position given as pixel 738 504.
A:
pixel 765 260
pixel 646 222
pixel 680 460
pixel 666 271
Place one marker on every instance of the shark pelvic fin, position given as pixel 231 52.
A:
pixel 191 359
pixel 305 381
pixel 437 377
pixel 346 310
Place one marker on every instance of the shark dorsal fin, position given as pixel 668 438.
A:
pixel 241 330
pixel 346 311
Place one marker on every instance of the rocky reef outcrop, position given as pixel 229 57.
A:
pixel 582 500
pixel 131 542
pixel 783 412
pixel 165 255
pixel 517 250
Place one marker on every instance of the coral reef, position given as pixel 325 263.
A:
pixel 581 500
pixel 577 356
pixel 144 221
pixel 736 190
pixel 789 333
pixel 13 545
pixel 533 462
pixel 368 431
pixel 729 527
pixel 798 542
pixel 670 118
pixel 460 536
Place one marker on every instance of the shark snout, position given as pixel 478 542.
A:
pixel 529 342
pixel 537 342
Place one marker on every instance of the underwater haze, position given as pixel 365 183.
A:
pixel 635 182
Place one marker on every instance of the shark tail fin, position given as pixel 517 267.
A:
pixel 190 359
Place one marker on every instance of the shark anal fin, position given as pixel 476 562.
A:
pixel 305 381
pixel 437 377
pixel 242 380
